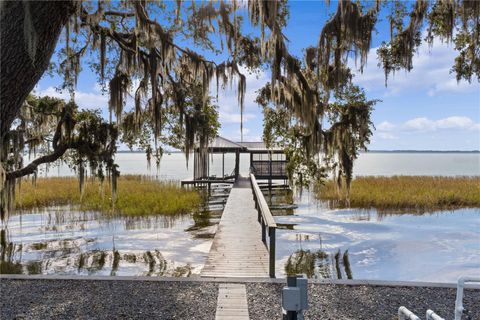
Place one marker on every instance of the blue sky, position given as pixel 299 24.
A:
pixel 425 109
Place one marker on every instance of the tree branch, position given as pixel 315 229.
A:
pixel 119 14
pixel 32 166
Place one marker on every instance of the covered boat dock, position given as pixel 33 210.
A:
pixel 265 163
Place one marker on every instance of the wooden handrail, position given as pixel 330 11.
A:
pixel 267 222
pixel 262 203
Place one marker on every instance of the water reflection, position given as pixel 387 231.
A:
pixel 319 264
pixel 7 255
pixel 59 241
pixel 366 244
pixel 62 240
pixel 280 201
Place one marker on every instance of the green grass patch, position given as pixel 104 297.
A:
pixel 420 193
pixel 136 196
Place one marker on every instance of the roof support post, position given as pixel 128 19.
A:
pixel 270 171
pixel 237 163
pixel 223 165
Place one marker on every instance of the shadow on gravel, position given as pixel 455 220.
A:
pixel 110 299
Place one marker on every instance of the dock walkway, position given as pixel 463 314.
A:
pixel 237 249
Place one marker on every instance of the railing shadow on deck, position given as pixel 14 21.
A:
pixel 267 222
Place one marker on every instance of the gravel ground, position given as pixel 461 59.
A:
pixel 123 299
pixel 111 299
pixel 362 302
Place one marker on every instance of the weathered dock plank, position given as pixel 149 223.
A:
pixel 232 302
pixel 237 249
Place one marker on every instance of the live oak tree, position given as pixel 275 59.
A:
pixel 137 46
pixel 81 137
pixel 346 132
pixel 171 82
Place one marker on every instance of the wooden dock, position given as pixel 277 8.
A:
pixel 232 302
pixel 237 249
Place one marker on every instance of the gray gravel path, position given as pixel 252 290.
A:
pixel 137 299
pixel 329 301
pixel 90 299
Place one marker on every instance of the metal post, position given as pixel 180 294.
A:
pixel 291 282
pixel 223 165
pixel 459 309
pixel 433 316
pixel 271 235
pixel 405 314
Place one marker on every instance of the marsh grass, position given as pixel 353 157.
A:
pixel 319 264
pixel 400 193
pixel 136 196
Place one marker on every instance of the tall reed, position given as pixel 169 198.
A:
pixel 136 195
pixel 421 193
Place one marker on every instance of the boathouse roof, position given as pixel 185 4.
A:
pixel 221 144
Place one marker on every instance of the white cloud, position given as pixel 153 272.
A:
pixel 425 124
pixel 455 122
pixel 228 98
pixel 430 74
pixel 420 124
pixel 387 136
pixel 90 100
pixel 452 85
pixel 236 135
pixel 228 118
pixel 385 126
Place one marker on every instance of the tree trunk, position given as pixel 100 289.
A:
pixel 21 68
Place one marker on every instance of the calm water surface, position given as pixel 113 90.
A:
pixel 174 166
pixel 324 243
pixel 59 241
pixel 438 246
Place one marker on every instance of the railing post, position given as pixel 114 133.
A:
pixel 264 231
pixel 271 247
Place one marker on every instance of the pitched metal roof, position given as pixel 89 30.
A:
pixel 221 144
pixel 258 146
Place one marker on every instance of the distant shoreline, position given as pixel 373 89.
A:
pixel 369 151
pixel 421 151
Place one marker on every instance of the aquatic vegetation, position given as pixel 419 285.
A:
pixel 419 193
pixel 201 220
pixel 208 235
pixel 202 216
pixel 34 267
pixel 319 264
pixel 136 196
pixel 39 246
pixel 115 263
pixel 346 263
pixel 7 267
pixel 98 261
pixel 183 271
pixel 280 201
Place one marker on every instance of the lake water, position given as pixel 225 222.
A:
pixel 437 246
pixel 174 166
